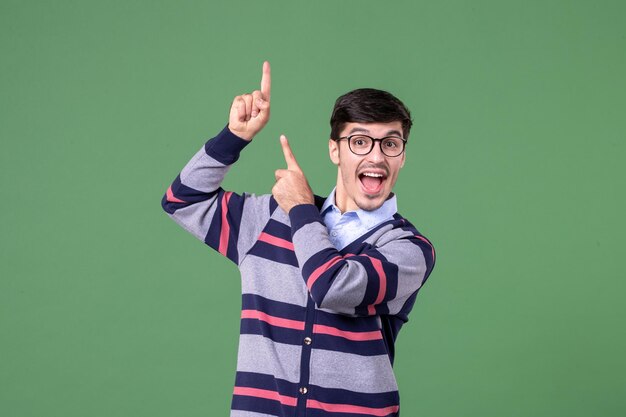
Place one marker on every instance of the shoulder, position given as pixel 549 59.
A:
pixel 401 230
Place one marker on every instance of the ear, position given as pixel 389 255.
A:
pixel 403 159
pixel 333 151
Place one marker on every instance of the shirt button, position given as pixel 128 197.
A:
pixel 303 390
pixel 307 340
pixel 334 234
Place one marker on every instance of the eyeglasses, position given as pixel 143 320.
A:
pixel 363 144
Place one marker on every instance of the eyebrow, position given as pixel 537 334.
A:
pixel 392 132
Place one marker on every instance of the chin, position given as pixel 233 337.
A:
pixel 371 204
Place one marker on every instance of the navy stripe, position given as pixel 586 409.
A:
pixel 212 237
pixel 303 214
pixel 312 412
pixel 233 217
pixel 339 344
pixel 261 405
pixel 274 253
pixel 274 333
pixel 271 307
pixel 342 396
pixel 373 281
pixel 343 322
pixel 188 194
pixel 273 205
pixel 170 207
pixel 278 229
pixel 265 381
pixel 391 289
pixel 225 147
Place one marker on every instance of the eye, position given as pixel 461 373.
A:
pixel 391 143
pixel 360 141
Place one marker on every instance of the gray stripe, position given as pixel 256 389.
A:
pixel 411 270
pixel 262 355
pixel 280 216
pixel 269 279
pixel 196 218
pixel 203 173
pixel 348 289
pixel 254 217
pixel 368 374
pixel 386 235
pixel 309 240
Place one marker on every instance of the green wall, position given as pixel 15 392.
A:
pixel 515 170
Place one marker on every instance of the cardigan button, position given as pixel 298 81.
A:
pixel 308 340
pixel 303 390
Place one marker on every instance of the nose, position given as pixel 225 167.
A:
pixel 376 155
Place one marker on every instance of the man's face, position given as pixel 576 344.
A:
pixel 365 181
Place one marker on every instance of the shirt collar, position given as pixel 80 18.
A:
pixel 368 218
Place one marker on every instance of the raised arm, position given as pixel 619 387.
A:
pixel 222 219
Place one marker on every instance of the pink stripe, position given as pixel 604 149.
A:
pixel 423 239
pixel 382 284
pixel 223 247
pixel 357 336
pixel 267 394
pixel 356 409
pixel 274 321
pixel 320 270
pixel 170 196
pixel 276 241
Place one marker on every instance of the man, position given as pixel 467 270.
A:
pixel 326 284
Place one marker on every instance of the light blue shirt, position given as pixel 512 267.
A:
pixel 343 229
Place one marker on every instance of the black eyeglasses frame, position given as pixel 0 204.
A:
pixel 374 140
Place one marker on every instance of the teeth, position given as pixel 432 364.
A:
pixel 371 174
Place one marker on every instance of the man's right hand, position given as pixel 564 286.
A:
pixel 249 113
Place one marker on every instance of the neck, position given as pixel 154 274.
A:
pixel 340 195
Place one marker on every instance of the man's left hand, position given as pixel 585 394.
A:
pixel 291 188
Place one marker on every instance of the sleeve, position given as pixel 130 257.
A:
pixel 224 220
pixel 382 280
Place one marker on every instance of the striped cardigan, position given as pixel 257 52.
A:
pixel 318 325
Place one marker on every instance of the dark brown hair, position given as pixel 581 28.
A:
pixel 368 105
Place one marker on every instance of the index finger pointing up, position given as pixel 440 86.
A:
pixel 292 164
pixel 266 81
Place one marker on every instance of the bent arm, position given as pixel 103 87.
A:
pixel 379 280
pixel 222 219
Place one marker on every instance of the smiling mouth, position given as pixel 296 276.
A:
pixel 372 181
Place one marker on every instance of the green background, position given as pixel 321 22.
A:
pixel 515 170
